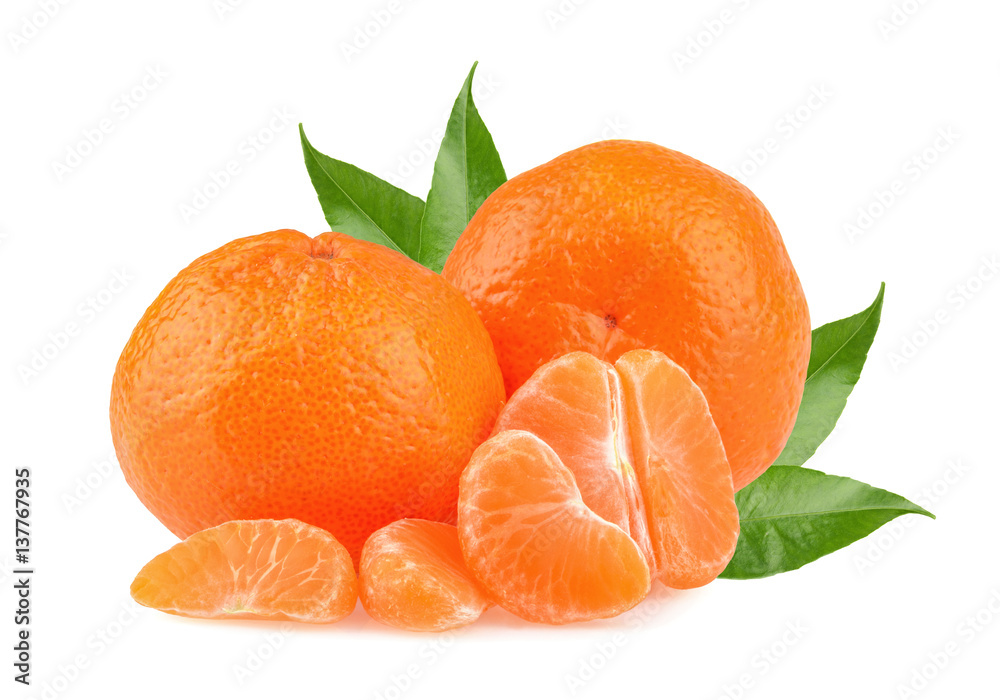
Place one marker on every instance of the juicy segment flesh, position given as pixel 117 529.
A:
pixel 617 454
pixel 252 569
pixel 413 577
pixel 528 537
pixel 574 405
pixel 682 470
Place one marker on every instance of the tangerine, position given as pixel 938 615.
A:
pixel 621 245
pixel 325 379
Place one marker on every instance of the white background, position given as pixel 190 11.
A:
pixel 860 622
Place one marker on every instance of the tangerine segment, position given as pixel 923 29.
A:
pixel 574 404
pixel 682 470
pixel 528 536
pixel 645 452
pixel 252 569
pixel 413 577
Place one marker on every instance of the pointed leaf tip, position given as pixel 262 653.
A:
pixel 839 351
pixel 362 205
pixel 790 516
pixel 467 171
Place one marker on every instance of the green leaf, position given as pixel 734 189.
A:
pixel 466 172
pixel 361 205
pixel 839 351
pixel 790 516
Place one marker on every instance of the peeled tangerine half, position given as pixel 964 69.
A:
pixel 413 577
pixel 253 569
pixel 598 478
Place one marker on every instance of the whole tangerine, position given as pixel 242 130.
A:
pixel 621 245
pixel 324 379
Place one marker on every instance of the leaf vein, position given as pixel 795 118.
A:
pixel 843 345
pixel 352 201
pixel 783 516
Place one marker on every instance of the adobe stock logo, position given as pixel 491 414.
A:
pixel 217 181
pixel 933 323
pixel 900 14
pixel 930 498
pixel 31 25
pixel 256 658
pixel 912 169
pixel 367 32
pixel 561 13
pixel 398 685
pixel 55 344
pixel 936 661
pixel 765 660
pixel 86 485
pixel 785 128
pixel 223 8
pixel 123 106
pixel 711 31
